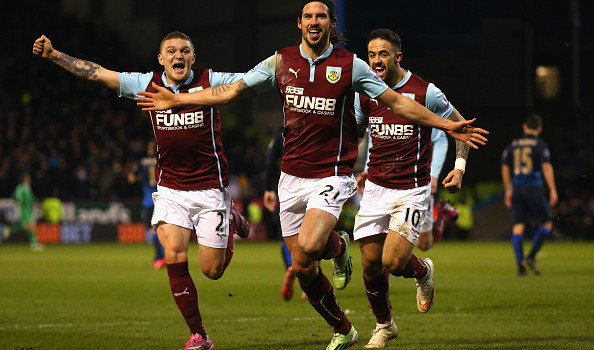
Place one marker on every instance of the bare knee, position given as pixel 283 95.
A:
pixel 394 265
pixel 213 272
pixel 372 269
pixel 311 248
pixel 424 245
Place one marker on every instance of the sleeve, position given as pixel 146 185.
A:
pixel 436 102
pixel 505 157
pixel 220 78
pixel 262 78
pixel 273 153
pixel 368 143
pixel 359 115
pixel 545 154
pixel 365 81
pixel 440 149
pixel 131 83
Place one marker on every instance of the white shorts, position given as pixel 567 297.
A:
pixel 428 222
pixel 297 195
pixel 205 210
pixel 383 209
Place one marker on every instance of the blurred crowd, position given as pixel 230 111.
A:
pixel 79 141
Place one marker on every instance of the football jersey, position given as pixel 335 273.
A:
pixel 525 156
pixel 320 130
pixel 400 153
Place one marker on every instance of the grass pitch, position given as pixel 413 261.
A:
pixel 107 296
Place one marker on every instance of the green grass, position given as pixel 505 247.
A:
pixel 107 296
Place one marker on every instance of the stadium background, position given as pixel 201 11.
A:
pixel 496 60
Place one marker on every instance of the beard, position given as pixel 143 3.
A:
pixel 316 44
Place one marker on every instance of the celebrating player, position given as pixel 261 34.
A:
pixel 529 159
pixel 398 188
pixel 191 171
pixel 316 80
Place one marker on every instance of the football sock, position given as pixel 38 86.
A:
pixel 229 251
pixel 335 246
pixel 286 255
pixel 159 252
pixel 321 296
pixel 185 296
pixel 439 226
pixel 377 294
pixel 414 268
pixel 518 250
pixel 538 241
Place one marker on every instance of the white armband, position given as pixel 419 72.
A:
pixel 460 164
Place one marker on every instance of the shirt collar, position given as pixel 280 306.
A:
pixel 178 87
pixel 319 59
pixel 403 81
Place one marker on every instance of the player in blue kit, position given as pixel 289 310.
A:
pixel 144 172
pixel 524 163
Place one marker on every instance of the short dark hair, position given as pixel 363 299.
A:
pixel 388 35
pixel 336 37
pixel 176 35
pixel 533 121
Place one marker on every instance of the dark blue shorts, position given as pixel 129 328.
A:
pixel 529 202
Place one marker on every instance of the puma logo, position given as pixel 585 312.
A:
pixel 291 70
pixel 175 295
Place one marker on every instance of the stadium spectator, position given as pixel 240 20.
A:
pixel 524 163
pixel 191 175
pixel 397 184
pixel 320 146
pixel 25 199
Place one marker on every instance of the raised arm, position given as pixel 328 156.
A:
pixel 83 69
pixel 453 181
pixel 411 110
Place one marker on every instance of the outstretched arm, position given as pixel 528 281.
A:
pixel 453 181
pixel 83 69
pixel 411 110
pixel 216 95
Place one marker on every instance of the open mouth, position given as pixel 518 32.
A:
pixel 315 33
pixel 179 67
pixel 379 70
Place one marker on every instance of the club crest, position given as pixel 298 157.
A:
pixel 198 88
pixel 333 74
pixel 409 95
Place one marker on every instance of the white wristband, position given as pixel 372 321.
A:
pixel 460 164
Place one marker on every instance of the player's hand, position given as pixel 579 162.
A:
pixel 468 134
pixel 508 198
pixel 156 101
pixel 553 198
pixel 42 47
pixel 270 201
pixel 453 182
pixel 361 178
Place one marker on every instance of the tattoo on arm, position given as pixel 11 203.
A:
pixel 80 68
pixel 241 90
pixel 462 148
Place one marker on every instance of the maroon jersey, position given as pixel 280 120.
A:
pixel 189 149
pixel 400 156
pixel 320 130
